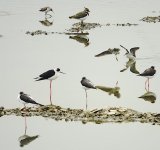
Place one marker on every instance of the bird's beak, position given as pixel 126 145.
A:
pixel 62 72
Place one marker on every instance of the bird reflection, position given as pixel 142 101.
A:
pixel 111 90
pixel 110 51
pixel 26 139
pixel 132 65
pixel 81 38
pixel 149 96
pixel 46 22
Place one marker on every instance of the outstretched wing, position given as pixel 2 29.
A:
pixel 133 50
pixel 125 48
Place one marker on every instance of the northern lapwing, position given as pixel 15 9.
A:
pixel 81 15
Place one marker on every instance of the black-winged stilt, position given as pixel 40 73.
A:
pixel 49 75
pixel 25 99
pixel 87 84
pixel 148 73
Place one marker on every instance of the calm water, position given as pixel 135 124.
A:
pixel 23 57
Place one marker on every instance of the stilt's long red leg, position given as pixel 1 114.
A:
pixel 51 92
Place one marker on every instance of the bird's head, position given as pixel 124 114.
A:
pixel 58 70
pixel 21 93
pixel 86 9
pixel 83 78
pixel 152 67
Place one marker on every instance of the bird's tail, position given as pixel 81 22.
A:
pixel 38 79
pixel 40 104
pixel 70 17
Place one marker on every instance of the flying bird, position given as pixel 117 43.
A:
pixel 132 54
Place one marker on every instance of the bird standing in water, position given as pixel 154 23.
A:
pixel 49 75
pixel 81 15
pixel 87 84
pixel 25 99
pixel 148 73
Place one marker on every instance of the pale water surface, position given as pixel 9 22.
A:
pixel 23 57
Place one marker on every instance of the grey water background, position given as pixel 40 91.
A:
pixel 23 57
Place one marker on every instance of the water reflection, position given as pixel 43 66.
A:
pixel 47 22
pixel 149 96
pixel 26 139
pixel 111 90
pixel 81 38
pixel 132 65
pixel 114 51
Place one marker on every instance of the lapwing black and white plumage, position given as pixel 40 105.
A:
pixel 132 53
pixel 46 10
pixel 81 15
pixel 148 73
pixel 87 84
pixel 26 99
pixel 49 75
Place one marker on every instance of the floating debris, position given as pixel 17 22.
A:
pixel 98 116
pixel 151 19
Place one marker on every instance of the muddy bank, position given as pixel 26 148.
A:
pixel 98 116
pixel 78 28
pixel 151 19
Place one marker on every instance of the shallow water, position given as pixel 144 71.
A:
pixel 23 57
